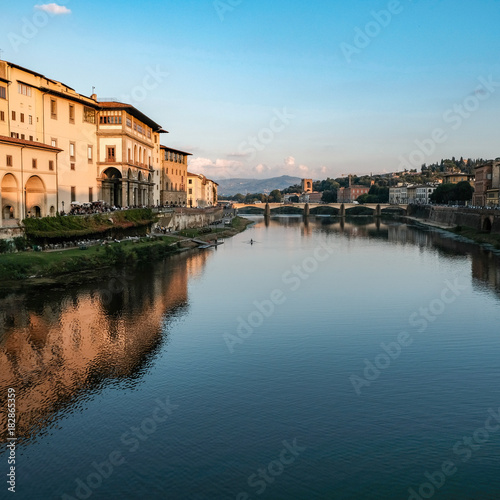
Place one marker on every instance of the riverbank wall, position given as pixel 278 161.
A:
pixel 176 220
pixel 188 218
pixel 480 219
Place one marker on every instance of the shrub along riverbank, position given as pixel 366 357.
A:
pixel 29 266
pixel 63 228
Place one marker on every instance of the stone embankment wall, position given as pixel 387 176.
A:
pixel 481 219
pixel 8 233
pixel 185 218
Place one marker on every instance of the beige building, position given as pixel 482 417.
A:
pixel 28 179
pixel 100 150
pixel 128 156
pixel 174 175
pixel 201 192
pixel 39 109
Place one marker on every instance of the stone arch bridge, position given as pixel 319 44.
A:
pixel 343 208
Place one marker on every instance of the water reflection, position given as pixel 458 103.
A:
pixel 57 346
pixel 54 346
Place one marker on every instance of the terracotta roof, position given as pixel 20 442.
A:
pixel 23 142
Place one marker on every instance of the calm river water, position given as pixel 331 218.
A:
pixel 323 361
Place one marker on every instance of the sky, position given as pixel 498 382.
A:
pixel 258 89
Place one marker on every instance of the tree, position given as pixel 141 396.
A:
pixel 275 196
pixel 447 193
pixel 329 196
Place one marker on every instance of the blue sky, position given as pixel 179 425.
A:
pixel 257 89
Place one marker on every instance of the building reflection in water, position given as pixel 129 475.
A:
pixel 57 345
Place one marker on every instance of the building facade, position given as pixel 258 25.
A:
pixel 28 179
pixel 174 175
pixel 483 183
pixel 106 151
pixel 398 195
pixel 201 192
pixel 128 156
pixel 351 193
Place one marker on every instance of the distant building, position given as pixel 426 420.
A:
pixel 455 178
pixel 398 194
pixel 312 197
pixel 351 193
pixel 307 185
pixel 201 192
pixel 420 194
pixel 173 184
pixel 483 183
pixel 287 197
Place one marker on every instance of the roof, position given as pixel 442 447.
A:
pixel 134 112
pixel 36 74
pixel 201 176
pixel 32 144
pixel 175 150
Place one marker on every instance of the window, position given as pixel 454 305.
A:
pixel 9 160
pixel 33 162
pixel 53 108
pixel 72 150
pixel 3 92
pixel 13 115
pixel 24 89
pixel 21 117
pixel 110 120
pixel 91 195
pixel 2 116
pixel 73 193
pixel 31 137
pixel 129 122
pixel 72 166
pixel 51 165
pixel 53 143
pixel 72 113
pixel 89 153
pixel 30 119
pixel 190 191
pixel 88 115
pixel 110 153
pixel 190 181
pixel 14 135
pixel 23 137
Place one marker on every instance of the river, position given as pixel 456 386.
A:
pixel 299 360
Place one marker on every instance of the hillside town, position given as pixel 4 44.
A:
pixel 62 152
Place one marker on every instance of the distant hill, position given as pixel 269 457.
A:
pixel 230 187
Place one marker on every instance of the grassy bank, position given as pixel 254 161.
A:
pixel 28 266
pixel 477 236
pixel 77 226
pixel 23 265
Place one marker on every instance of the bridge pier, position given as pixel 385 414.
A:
pixel 342 210
pixel 267 210
pixel 306 210
pixel 378 211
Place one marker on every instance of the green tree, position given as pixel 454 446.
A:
pixel 275 196
pixel 329 196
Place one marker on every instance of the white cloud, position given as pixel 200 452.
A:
pixel 289 161
pixel 218 169
pixel 261 168
pixel 53 8
pixel 303 168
